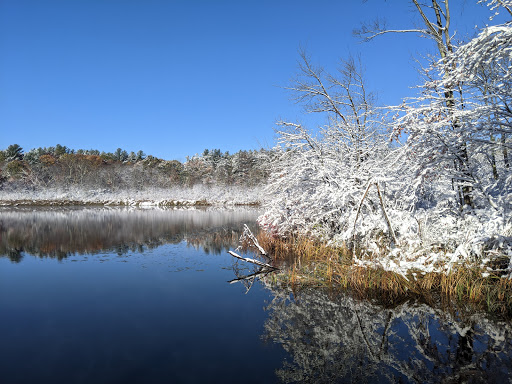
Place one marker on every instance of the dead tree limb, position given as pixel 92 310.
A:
pixel 386 217
pixel 251 276
pixel 249 235
pixel 355 220
pixel 253 261
pixel 388 222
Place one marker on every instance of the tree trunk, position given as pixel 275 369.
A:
pixel 505 152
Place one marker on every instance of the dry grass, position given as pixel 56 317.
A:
pixel 307 262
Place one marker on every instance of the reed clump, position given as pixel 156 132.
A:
pixel 309 262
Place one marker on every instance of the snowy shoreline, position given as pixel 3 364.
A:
pixel 124 203
pixel 176 197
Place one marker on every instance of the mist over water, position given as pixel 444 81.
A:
pixel 102 295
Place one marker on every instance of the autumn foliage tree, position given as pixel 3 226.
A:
pixel 62 167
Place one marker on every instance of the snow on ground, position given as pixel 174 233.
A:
pixel 195 195
pixel 441 243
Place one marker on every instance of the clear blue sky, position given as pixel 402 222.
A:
pixel 175 77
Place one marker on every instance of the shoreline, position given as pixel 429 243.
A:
pixel 169 203
pixel 305 262
pixel 195 196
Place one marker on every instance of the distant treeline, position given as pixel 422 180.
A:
pixel 63 167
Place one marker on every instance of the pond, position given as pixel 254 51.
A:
pixel 115 295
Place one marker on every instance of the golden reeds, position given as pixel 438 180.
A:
pixel 313 263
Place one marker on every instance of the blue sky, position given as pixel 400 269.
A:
pixel 175 77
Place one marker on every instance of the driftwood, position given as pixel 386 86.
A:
pixel 264 268
pixel 250 277
pixel 249 235
pixel 253 261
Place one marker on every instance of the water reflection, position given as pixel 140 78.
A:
pixel 59 233
pixel 327 338
pixel 343 339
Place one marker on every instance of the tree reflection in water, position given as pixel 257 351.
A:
pixel 61 232
pixel 329 338
pixel 344 339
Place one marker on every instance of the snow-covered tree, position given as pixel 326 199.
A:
pixel 448 187
pixel 322 181
pixel 464 139
pixel 458 144
pixel 13 152
pixel 436 21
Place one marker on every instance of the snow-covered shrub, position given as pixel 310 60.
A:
pixel 443 197
pixel 333 185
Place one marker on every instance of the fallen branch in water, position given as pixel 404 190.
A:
pixel 249 240
pixel 248 235
pixel 253 261
pixel 251 276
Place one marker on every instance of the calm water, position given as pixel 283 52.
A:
pixel 118 296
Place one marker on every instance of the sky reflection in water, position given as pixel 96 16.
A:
pixel 115 296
